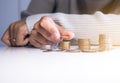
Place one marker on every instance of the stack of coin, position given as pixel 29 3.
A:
pixel 45 47
pixel 65 45
pixel 84 44
pixel 105 42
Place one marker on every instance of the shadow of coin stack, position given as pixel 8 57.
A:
pixel 105 42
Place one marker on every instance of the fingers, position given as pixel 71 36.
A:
pixel 15 35
pixel 56 31
pixel 47 28
pixel 66 35
pixel 21 36
pixel 35 43
pixel 46 31
pixel 37 39
pixel 5 38
pixel 21 33
pixel 12 34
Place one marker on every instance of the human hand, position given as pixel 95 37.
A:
pixel 47 32
pixel 16 34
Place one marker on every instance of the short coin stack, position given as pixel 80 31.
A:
pixel 84 44
pixel 105 42
pixel 45 47
pixel 65 45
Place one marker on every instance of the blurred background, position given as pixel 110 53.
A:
pixel 13 10
pixel 10 11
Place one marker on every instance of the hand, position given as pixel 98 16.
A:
pixel 47 32
pixel 16 34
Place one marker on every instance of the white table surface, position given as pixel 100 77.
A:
pixel 30 65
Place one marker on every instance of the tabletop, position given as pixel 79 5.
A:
pixel 31 65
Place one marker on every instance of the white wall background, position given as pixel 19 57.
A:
pixel 9 12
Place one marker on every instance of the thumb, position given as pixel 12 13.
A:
pixel 66 35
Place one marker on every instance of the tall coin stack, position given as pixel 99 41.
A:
pixel 84 44
pixel 105 42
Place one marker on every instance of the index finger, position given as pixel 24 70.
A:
pixel 50 27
